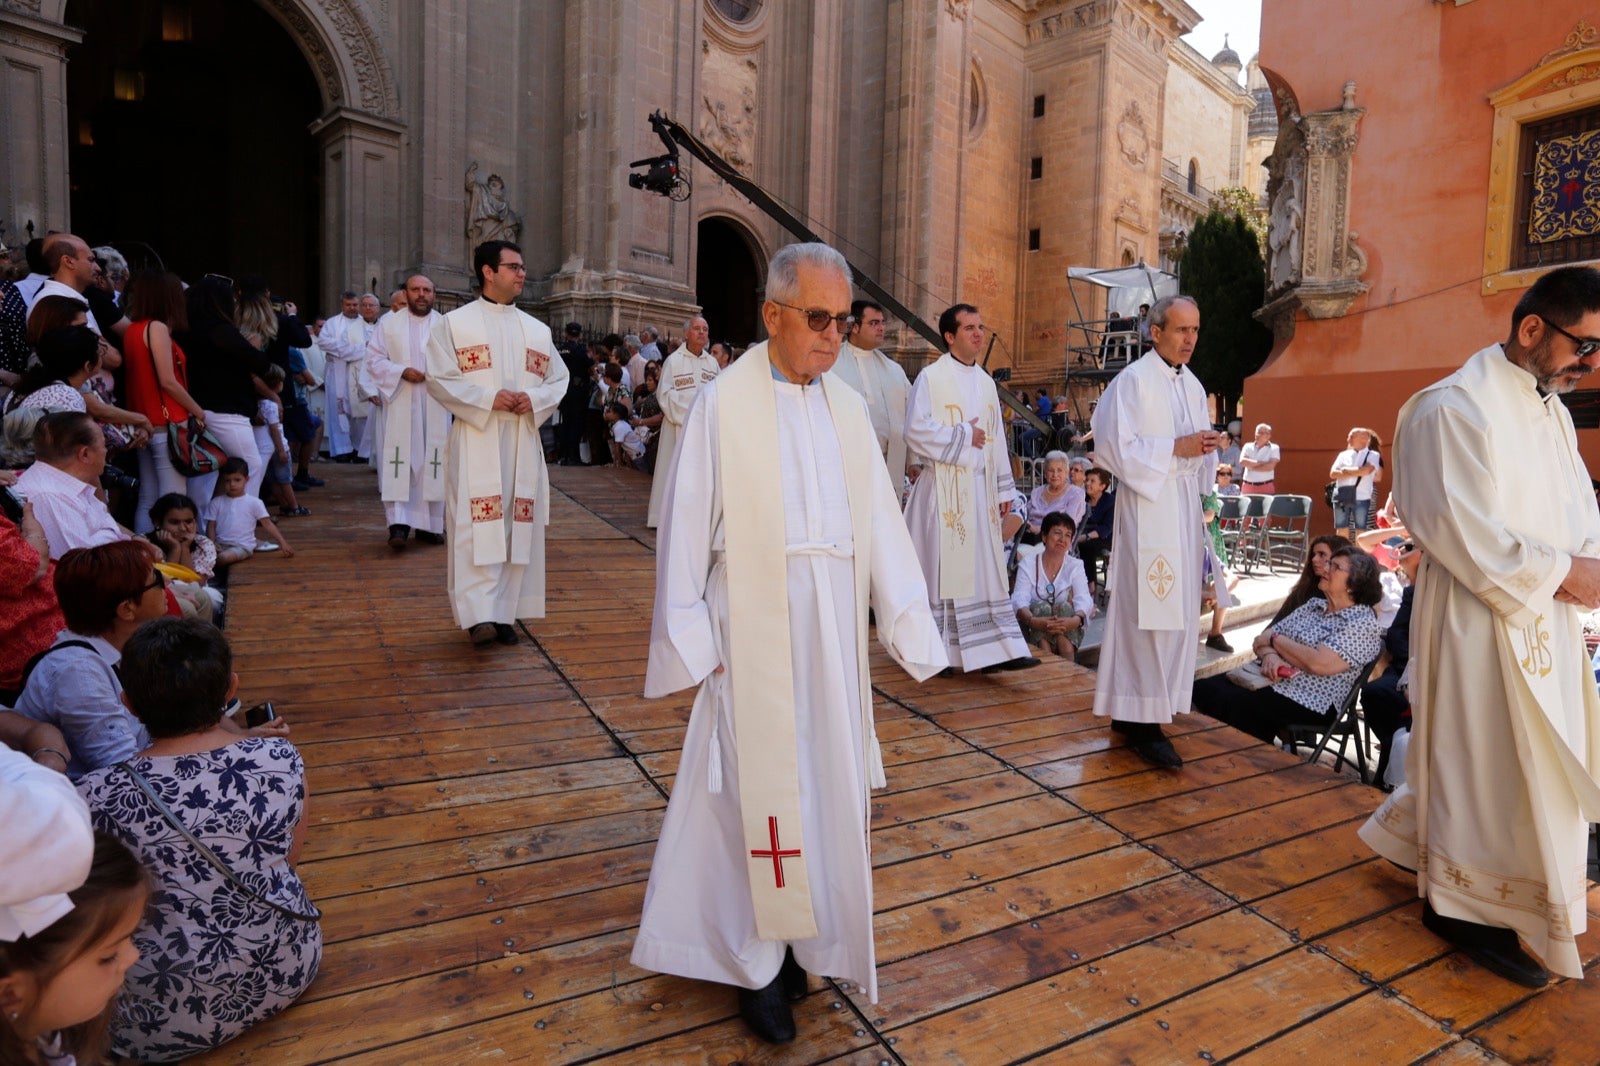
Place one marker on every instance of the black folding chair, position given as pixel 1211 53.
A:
pixel 1287 527
pixel 1346 724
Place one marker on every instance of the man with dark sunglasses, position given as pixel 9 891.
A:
pixel 1503 771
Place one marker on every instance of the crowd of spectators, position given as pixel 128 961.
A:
pixel 114 675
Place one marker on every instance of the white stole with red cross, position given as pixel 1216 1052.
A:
pixel 760 668
pixel 520 370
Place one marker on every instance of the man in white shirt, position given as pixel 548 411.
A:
pixel 1353 473
pixel 650 349
pixel 1260 461
pixel 70 264
pixel 61 485
pixel 636 360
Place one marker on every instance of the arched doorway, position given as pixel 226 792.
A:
pixel 728 281
pixel 188 123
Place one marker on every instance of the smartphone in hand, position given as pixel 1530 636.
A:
pixel 259 715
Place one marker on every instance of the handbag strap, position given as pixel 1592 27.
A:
pixel 209 855
pixel 161 394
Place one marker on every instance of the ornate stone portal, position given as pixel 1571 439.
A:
pixel 1314 261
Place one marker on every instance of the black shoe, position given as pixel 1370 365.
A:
pixel 1146 740
pixel 424 537
pixel 1158 752
pixel 1217 642
pixel 397 536
pixel 483 634
pixel 793 976
pixel 313 482
pixel 504 634
pixel 1492 947
pixel 766 1012
pixel 1021 662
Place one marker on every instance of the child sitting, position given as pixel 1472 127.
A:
pixel 270 444
pixel 232 518
pixel 177 534
pixel 57 984
pixel 627 448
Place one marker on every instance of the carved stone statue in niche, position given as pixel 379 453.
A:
pixel 1286 220
pixel 489 214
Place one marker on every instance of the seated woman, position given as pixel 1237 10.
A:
pixel 1052 594
pixel 1322 549
pixel 105 593
pixel 1056 494
pixel 1315 654
pixel 50 316
pixel 231 937
pixel 1099 519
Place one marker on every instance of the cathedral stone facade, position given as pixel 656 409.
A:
pixel 954 149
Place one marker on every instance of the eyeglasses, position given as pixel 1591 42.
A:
pixel 1586 348
pixel 818 319
pixel 219 277
pixel 515 268
pixel 158 580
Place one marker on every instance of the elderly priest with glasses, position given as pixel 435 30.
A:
pixel 779 526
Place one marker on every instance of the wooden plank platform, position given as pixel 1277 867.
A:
pixel 483 824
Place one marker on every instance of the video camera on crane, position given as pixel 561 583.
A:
pixel 663 176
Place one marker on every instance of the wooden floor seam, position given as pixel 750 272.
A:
pixel 482 825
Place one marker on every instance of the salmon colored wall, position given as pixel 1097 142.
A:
pixel 1419 181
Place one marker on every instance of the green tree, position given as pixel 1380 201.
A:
pixel 1223 270
pixel 1242 201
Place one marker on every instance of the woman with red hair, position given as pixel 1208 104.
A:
pixel 105 593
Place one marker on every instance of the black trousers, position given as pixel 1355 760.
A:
pixel 570 430
pixel 1264 713
pixel 1385 710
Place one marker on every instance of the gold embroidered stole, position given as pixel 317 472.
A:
pixel 966 539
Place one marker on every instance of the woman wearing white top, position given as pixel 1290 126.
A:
pixel 1052 593
pixel 1056 494
pixel 1354 472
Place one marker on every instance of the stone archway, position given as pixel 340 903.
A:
pixel 729 266
pixel 358 133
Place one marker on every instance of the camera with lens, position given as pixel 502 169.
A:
pixel 115 479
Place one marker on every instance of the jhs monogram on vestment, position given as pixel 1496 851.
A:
pixel 1536 660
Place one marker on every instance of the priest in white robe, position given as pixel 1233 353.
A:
pixel 414 427
pixel 1503 769
pixel 778 530
pixel 954 431
pixel 364 400
pixel 881 381
pixel 495 369
pixel 683 374
pixel 342 340
pixel 1151 431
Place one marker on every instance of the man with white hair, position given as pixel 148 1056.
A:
pixel 363 391
pixel 683 373
pixel 1151 431
pixel 779 527
pixel 1260 461
pixel 650 349
pixel 636 360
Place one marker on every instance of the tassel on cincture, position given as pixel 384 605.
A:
pixel 714 765
pixel 875 775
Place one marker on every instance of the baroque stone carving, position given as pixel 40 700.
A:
pixel 728 107
pixel 489 213
pixel 958 9
pixel 1584 36
pixel 1315 262
pixel 27 7
pixel 357 39
pixel 1082 17
pixel 1133 136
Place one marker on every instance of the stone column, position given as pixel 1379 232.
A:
pixel 33 123
pixel 361 198
pixel 439 147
